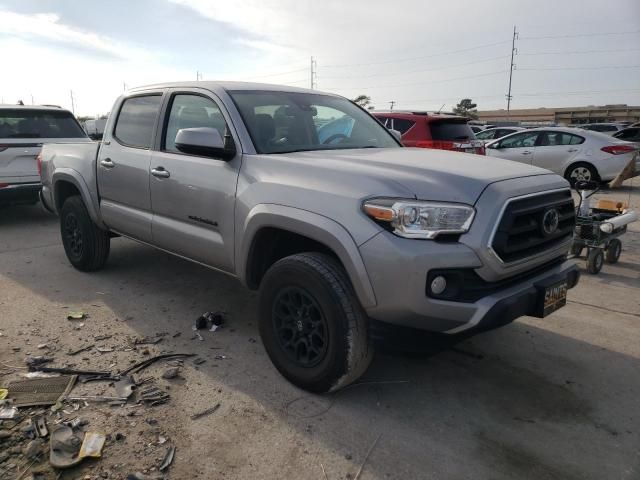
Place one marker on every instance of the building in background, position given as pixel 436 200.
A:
pixel 563 115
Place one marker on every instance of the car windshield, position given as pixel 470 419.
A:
pixel 31 123
pixel 283 122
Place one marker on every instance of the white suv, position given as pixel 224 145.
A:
pixel 23 131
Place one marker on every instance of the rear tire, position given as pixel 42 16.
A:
pixel 595 260
pixel 86 245
pixel 614 249
pixel 312 324
pixel 581 171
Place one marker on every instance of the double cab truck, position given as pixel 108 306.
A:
pixel 307 198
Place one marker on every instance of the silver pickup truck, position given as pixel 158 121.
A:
pixel 306 197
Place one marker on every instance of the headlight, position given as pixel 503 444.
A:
pixel 416 219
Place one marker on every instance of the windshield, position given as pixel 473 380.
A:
pixel 282 122
pixel 24 123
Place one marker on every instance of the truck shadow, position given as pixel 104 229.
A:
pixel 519 402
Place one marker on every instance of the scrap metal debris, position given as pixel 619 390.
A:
pixel 80 350
pixel 168 458
pixel 148 340
pixel 149 361
pixel 206 412
pixel 40 391
pixel 154 396
pixel 125 386
pixel 209 320
pixel 77 316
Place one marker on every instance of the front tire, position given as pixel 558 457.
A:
pixel 312 324
pixel 614 249
pixel 595 260
pixel 86 245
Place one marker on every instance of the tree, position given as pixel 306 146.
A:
pixel 466 108
pixel 363 100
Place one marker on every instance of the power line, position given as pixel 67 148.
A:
pixel 419 83
pixel 602 67
pixel 580 52
pixel 387 62
pixel 444 67
pixel 581 35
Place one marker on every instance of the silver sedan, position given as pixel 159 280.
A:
pixel 574 153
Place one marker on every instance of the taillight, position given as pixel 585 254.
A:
pixel 39 163
pixel 2 185
pixel 3 147
pixel 439 144
pixel 619 149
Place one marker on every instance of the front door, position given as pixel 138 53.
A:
pixel 193 197
pixel 123 167
pixel 518 147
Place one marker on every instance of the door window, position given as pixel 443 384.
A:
pixel 402 125
pixel 550 139
pixel 520 140
pixel 486 135
pixel 191 111
pixel 137 118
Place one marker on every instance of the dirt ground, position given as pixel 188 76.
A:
pixel 554 398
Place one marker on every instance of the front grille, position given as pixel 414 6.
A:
pixel 520 233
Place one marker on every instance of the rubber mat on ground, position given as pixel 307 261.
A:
pixel 40 391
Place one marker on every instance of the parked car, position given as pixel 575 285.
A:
pixel 23 130
pixel 495 133
pixel 631 134
pixel 95 128
pixel 574 153
pixel 476 128
pixel 338 235
pixel 607 128
pixel 429 130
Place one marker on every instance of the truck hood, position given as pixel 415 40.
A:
pixel 426 174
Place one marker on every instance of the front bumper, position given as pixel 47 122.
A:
pixel 19 193
pixel 399 268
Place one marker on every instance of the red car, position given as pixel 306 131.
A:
pixel 431 130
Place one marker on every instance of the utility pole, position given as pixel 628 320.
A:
pixel 313 73
pixel 392 103
pixel 124 86
pixel 32 102
pixel 73 105
pixel 198 75
pixel 513 52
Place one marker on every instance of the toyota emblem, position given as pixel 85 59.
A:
pixel 550 221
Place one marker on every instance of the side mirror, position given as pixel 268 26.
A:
pixel 204 141
pixel 495 145
pixel 396 134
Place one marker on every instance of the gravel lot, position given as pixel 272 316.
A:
pixel 554 398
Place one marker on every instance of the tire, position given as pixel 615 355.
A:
pixel 576 250
pixel 614 249
pixel 311 291
pixel 86 245
pixel 595 260
pixel 581 171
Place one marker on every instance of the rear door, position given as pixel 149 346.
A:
pixel 123 166
pixel 193 197
pixel 518 147
pixel 555 150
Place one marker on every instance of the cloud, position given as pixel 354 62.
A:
pixel 47 27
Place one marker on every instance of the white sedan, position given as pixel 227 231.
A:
pixel 574 153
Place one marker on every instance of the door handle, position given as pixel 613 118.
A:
pixel 526 152
pixel 107 163
pixel 572 150
pixel 160 172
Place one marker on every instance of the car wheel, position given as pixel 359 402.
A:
pixel 614 249
pixel 595 260
pixel 581 171
pixel 312 324
pixel 86 245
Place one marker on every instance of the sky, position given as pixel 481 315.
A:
pixel 418 54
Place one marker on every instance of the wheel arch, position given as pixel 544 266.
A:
pixel 298 230
pixel 67 182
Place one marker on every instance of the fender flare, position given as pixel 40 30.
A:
pixel 314 226
pixel 70 175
